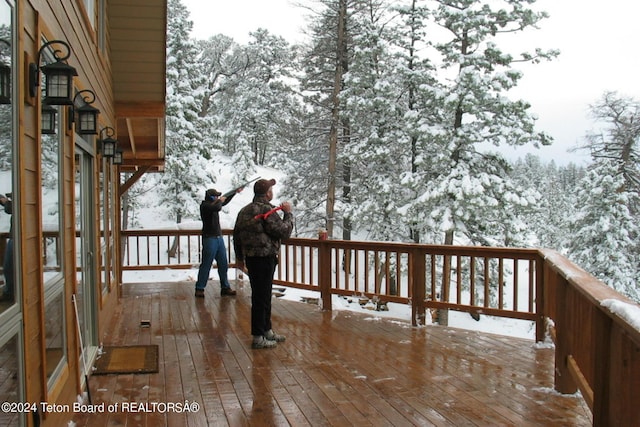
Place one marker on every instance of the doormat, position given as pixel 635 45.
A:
pixel 132 359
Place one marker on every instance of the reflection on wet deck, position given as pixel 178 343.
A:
pixel 336 368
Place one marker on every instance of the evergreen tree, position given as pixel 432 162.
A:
pixel 377 150
pixel 468 189
pixel 555 186
pixel 419 112
pixel 620 140
pixel 179 185
pixel 6 110
pixel 315 181
pixel 605 234
pixel 263 103
pixel 223 65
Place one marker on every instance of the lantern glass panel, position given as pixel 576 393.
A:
pixel 57 86
pixel 87 122
pixel 48 120
pixel 108 147
pixel 5 84
pixel 117 157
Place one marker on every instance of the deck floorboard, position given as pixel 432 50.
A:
pixel 336 368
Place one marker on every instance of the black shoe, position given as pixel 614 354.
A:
pixel 227 292
pixel 199 293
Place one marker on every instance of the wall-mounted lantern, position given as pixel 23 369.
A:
pixel 5 75
pixel 118 156
pixel 48 119
pixel 58 76
pixel 109 143
pixel 87 120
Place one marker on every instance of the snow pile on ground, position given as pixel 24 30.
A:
pixel 399 312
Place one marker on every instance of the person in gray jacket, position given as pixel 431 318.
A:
pixel 257 235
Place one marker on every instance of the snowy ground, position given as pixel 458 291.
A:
pixel 399 312
pixel 223 170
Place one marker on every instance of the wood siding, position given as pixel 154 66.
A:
pixel 67 20
pixel 138 43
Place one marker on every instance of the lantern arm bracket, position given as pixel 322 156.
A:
pixel 59 56
pixel 86 99
pixel 108 131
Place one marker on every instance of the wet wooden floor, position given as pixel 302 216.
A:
pixel 336 369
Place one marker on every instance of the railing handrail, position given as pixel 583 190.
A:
pixel 597 350
pixel 592 289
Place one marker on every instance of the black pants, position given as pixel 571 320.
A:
pixel 261 270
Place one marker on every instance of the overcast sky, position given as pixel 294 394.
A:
pixel 597 40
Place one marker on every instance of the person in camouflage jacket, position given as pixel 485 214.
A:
pixel 257 235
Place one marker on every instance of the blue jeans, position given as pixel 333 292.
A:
pixel 213 248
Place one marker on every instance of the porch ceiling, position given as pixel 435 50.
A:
pixel 138 59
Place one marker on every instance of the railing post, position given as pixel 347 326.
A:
pixel 417 268
pixel 324 273
pixel 443 313
pixel 603 400
pixel 540 300
pixel 563 381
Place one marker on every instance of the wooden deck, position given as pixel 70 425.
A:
pixel 335 369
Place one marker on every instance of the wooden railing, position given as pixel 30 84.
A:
pixel 495 281
pixel 597 347
pixel 597 340
pixel 161 249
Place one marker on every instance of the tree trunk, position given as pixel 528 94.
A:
pixel 443 315
pixel 174 245
pixel 346 197
pixel 341 44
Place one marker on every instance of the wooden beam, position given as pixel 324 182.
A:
pixel 140 109
pixel 132 137
pixel 133 179
pixel 161 138
pixel 142 162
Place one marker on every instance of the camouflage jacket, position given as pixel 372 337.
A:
pixel 260 237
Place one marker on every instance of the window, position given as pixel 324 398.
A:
pixel 90 7
pixel 102 25
pixel 105 226
pixel 8 289
pixel 53 243
pixel 51 203
pixel 11 367
pixel 10 374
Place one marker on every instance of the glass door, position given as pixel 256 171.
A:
pixel 85 260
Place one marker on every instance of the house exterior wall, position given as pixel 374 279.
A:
pixel 44 375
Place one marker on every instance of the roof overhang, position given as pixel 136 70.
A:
pixel 138 37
